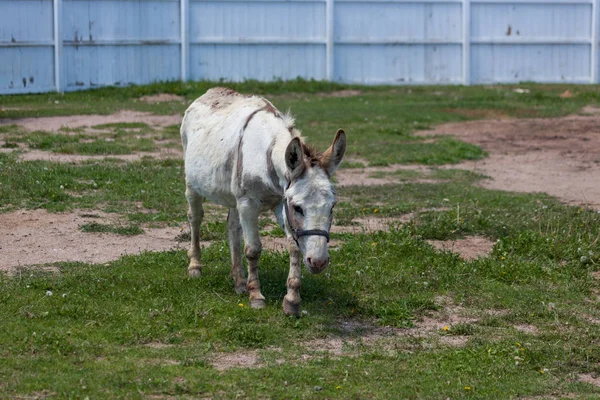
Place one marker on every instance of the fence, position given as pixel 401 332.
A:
pixel 76 44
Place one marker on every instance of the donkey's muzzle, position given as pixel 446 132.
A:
pixel 317 265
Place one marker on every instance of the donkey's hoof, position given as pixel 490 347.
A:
pixel 240 288
pixel 258 303
pixel 291 308
pixel 194 272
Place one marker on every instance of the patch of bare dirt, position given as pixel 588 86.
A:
pixel 164 153
pixel 162 98
pixel 590 110
pixel 558 156
pixel 530 329
pixel 341 93
pixel 54 124
pixel 469 248
pixel 238 359
pixel 353 332
pixel 487 113
pixel 589 378
pixel 158 345
pixel 362 176
pixel 39 237
pixel 371 224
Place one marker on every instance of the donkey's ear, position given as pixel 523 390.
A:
pixel 332 157
pixel 294 158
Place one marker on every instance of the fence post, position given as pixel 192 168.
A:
pixel 329 43
pixel 185 38
pixel 466 41
pixel 594 44
pixel 58 45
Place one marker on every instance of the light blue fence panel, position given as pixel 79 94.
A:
pixel 120 42
pixel 257 61
pixel 263 40
pixel 531 42
pixel 92 66
pixel 398 42
pixel 398 64
pixel 511 63
pixel 26 53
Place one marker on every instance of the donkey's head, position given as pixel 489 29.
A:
pixel 310 197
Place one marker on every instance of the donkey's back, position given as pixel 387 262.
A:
pixel 216 133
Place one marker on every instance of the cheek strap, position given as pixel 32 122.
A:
pixel 297 233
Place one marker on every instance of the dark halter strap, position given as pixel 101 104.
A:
pixel 297 233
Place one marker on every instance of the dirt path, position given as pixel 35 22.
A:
pixel 54 124
pixel 39 237
pixel 558 156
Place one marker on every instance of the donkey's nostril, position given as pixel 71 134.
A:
pixel 318 264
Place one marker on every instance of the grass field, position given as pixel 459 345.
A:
pixel 392 317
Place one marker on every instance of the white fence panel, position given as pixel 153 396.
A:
pixel 76 44
pixel 398 42
pixel 116 42
pixel 26 52
pixel 515 42
pixel 257 40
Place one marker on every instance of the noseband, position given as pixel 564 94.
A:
pixel 297 233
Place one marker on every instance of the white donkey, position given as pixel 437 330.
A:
pixel 244 154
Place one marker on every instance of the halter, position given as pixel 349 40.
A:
pixel 297 233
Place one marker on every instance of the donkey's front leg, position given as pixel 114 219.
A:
pixel 291 301
pixel 248 213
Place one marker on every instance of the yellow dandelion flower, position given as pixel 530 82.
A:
pixel 446 328
pixel 241 304
pixel 338 387
pixel 375 210
pixel 467 387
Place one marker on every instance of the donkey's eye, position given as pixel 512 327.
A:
pixel 298 209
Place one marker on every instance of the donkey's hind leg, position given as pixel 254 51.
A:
pixel 195 216
pixel 235 248
pixel 248 213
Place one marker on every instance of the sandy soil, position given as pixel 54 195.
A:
pixel 558 156
pixel 162 98
pixel 39 237
pixel 53 124
pixel 469 248
pixel 164 153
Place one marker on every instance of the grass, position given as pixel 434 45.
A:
pixel 139 327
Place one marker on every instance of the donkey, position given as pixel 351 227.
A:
pixel 242 153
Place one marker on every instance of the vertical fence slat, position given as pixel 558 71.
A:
pixel 329 10
pixel 185 38
pixel 594 44
pixel 58 45
pixel 466 43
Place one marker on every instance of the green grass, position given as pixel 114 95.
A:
pixel 139 327
pixel 119 142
